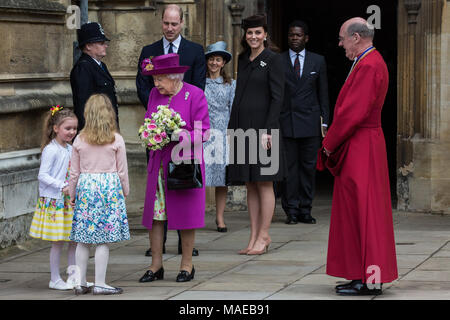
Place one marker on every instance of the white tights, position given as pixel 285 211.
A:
pixel 101 263
pixel 55 255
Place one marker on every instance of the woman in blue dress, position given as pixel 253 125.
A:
pixel 219 92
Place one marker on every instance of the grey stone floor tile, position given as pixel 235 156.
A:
pixel 436 263
pixel 262 286
pixel 136 293
pixel 425 247
pixel 293 269
pixel 221 295
pixel 37 293
pixel 311 292
pixel 410 260
pixel 320 279
pixel 442 254
pixel 428 276
pixel 417 290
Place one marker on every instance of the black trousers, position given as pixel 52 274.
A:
pixel 165 223
pixel 299 186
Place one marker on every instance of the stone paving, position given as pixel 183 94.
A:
pixel 293 269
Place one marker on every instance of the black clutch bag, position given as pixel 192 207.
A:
pixel 184 176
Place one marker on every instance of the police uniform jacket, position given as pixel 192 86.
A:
pixel 86 78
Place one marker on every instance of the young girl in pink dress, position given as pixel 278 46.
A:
pixel 98 187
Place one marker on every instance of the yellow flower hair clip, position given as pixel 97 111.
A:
pixel 55 109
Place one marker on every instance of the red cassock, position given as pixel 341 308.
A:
pixel 361 241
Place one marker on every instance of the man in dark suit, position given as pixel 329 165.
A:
pixel 191 54
pixel 89 75
pixel 305 104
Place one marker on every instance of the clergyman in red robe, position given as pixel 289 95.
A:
pixel 361 243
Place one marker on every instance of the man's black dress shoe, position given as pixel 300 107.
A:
pixel 291 219
pixel 359 289
pixel 347 285
pixel 306 218
pixel 149 276
pixel 194 251
pixel 148 253
pixel 185 276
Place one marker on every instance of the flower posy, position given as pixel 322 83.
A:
pixel 147 64
pixel 156 131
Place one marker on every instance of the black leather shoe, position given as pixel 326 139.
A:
pixel 306 218
pixel 185 276
pixel 347 285
pixel 194 251
pixel 359 289
pixel 148 253
pixel 149 276
pixel 291 219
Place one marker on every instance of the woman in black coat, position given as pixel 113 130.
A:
pixel 257 160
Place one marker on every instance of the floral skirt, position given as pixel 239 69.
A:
pixel 52 220
pixel 100 215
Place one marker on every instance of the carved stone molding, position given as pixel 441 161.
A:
pixel 412 8
pixel 120 5
pixel 32 11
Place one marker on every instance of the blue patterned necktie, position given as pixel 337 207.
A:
pixel 170 48
pixel 297 66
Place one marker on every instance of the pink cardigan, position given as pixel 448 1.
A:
pixel 88 158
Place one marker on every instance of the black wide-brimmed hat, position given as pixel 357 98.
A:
pixel 90 32
pixel 258 20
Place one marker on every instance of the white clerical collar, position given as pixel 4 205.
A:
pixel 293 54
pixel 176 43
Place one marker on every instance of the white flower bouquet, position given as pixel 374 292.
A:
pixel 157 130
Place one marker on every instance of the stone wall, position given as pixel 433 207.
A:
pixel 35 59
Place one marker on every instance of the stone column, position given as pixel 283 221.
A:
pixel 215 27
pixel 236 12
pixel 421 141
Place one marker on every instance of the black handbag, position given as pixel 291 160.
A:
pixel 184 176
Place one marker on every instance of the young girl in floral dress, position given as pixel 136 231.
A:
pixel 52 220
pixel 98 187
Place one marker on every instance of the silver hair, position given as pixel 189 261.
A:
pixel 365 30
pixel 176 76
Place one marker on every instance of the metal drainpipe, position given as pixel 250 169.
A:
pixel 83 20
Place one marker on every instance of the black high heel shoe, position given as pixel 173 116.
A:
pixel 150 276
pixel 185 276
pixel 220 229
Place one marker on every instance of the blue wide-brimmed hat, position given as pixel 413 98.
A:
pixel 218 48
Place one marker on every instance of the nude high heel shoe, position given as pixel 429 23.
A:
pixel 259 252
pixel 244 251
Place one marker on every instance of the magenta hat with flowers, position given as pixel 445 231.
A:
pixel 165 64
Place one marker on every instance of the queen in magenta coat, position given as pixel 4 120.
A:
pixel 184 209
